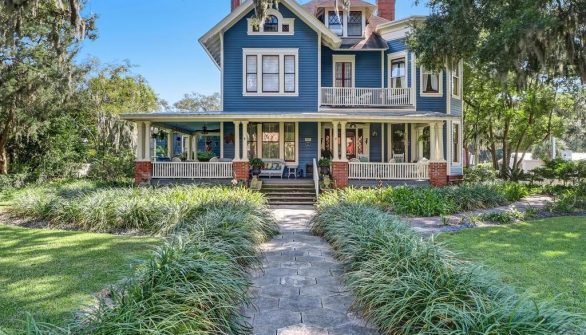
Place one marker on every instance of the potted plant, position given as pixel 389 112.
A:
pixel 324 166
pixel 205 156
pixel 257 164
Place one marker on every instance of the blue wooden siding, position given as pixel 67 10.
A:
pixel 307 150
pixel 431 104
pixel 396 45
pixel 375 142
pixel 456 106
pixel 368 67
pixel 305 39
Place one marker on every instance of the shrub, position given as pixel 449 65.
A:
pixel 570 199
pixel 409 285
pixel 480 173
pixel 503 217
pixel 420 201
pixel 573 172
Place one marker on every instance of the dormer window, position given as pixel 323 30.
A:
pixel 274 24
pixel 271 24
pixel 335 22
pixel 355 24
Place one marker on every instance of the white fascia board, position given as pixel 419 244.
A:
pixel 399 24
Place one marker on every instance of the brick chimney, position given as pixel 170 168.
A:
pixel 235 4
pixel 386 9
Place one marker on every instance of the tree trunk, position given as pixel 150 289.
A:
pixel 3 158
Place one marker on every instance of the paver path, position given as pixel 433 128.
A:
pixel 434 225
pixel 299 292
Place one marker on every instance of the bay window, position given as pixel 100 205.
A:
pixel 271 72
pixel 398 73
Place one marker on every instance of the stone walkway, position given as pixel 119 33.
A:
pixel 299 290
pixel 433 225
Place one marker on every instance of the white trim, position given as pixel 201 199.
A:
pixel 382 69
pixel 390 58
pixel 319 80
pixel 440 84
pixel 413 81
pixel 281 22
pixel 222 139
pixel 449 87
pixel 460 144
pixel 259 53
pixel 343 59
pixel 222 72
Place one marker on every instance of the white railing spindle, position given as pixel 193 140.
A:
pixel 189 170
pixel 352 96
pixel 388 171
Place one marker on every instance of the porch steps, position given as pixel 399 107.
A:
pixel 297 193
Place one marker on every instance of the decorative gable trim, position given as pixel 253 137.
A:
pixel 208 39
pixel 287 22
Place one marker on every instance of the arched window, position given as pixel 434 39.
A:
pixel 271 24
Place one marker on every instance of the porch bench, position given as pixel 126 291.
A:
pixel 273 167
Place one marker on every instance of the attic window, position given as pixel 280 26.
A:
pixel 355 23
pixel 271 24
pixel 274 24
pixel 335 22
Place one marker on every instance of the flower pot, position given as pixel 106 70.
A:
pixel 255 170
pixel 325 170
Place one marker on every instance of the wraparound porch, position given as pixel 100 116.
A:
pixel 368 146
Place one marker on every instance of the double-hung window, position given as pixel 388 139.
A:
pixel 290 142
pixel 456 80
pixel 431 83
pixel 270 140
pixel 456 153
pixel 252 140
pixel 398 73
pixel 271 72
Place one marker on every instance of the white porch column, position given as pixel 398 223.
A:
pixel 441 140
pixel 414 142
pixel 147 141
pixel 335 142
pixel 343 146
pixel 420 132
pixel 382 140
pixel 319 140
pixel 245 140
pixel 236 140
pixel 432 142
pixel 222 139
pixel 139 141
pixel 281 140
pixel 170 144
pixel 390 140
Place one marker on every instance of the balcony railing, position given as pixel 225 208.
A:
pixel 388 171
pixel 365 97
pixel 195 170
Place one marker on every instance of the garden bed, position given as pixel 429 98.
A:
pixel 406 284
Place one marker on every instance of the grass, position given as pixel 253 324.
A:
pixel 546 257
pixel 51 273
pixel 406 284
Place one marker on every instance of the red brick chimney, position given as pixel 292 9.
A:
pixel 235 4
pixel 386 9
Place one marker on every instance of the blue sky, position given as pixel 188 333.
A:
pixel 159 37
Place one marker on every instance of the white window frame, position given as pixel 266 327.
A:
pixel 344 59
pixel 281 141
pixel 345 20
pixel 390 59
pixel 460 144
pixel 281 53
pixel 457 95
pixel 440 84
pixel 282 21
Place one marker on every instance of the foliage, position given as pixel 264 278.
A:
pixel 480 173
pixel 502 217
pixel 79 264
pixel 573 172
pixel 324 162
pixel 196 102
pixel 205 156
pixel 98 207
pixel 409 285
pixel 525 38
pixel 544 257
pixel 570 199
pixel 431 201
pixel 257 162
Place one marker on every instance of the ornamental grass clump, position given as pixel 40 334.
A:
pixel 405 284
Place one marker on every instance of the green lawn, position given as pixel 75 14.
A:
pixel 546 257
pixel 51 273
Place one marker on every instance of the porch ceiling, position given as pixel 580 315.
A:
pixel 195 119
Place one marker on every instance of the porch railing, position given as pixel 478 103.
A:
pixel 195 170
pixel 377 97
pixel 388 171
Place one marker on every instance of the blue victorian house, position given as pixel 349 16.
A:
pixel 313 81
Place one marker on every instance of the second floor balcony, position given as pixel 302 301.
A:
pixel 365 97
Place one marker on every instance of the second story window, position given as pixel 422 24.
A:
pixel 355 24
pixel 270 72
pixel 335 22
pixel 431 83
pixel 271 24
pixel 456 80
pixel 398 73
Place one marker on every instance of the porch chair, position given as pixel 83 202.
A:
pixel 355 160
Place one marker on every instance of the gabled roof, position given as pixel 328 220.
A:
pixel 212 40
pixel 314 5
